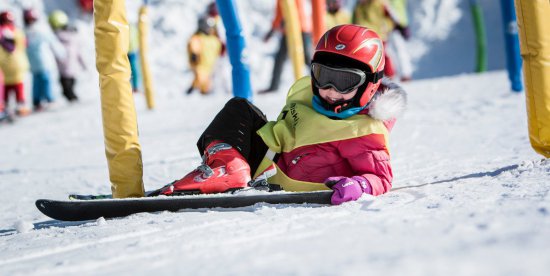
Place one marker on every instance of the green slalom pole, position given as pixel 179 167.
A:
pixel 481 36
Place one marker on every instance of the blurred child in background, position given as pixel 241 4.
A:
pixel 222 81
pixel 13 62
pixel 336 15
pixel 204 49
pixel 3 115
pixel 398 36
pixel 375 15
pixel 72 63
pixel 42 48
pixel 133 57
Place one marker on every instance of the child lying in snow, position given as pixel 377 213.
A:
pixel 331 134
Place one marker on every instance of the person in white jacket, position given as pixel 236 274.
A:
pixel 42 50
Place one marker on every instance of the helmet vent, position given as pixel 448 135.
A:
pixel 340 47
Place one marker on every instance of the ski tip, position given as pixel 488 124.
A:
pixel 42 204
pixel 57 210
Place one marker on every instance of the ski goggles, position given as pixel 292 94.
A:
pixel 344 80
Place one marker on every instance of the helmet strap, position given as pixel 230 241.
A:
pixel 348 112
pixel 362 89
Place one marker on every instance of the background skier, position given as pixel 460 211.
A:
pixel 133 57
pixel 398 36
pixel 13 61
pixel 3 114
pixel 375 14
pixel 204 48
pixel 72 62
pixel 42 48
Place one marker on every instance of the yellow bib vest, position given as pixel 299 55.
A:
pixel 15 65
pixel 300 125
pixel 339 18
pixel 208 48
pixel 372 16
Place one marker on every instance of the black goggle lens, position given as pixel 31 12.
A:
pixel 344 80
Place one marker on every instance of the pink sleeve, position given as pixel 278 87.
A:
pixel 368 157
pixel 380 184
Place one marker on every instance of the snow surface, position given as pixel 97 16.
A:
pixel 470 196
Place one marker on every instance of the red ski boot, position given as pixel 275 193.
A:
pixel 223 169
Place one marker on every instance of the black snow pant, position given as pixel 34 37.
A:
pixel 67 84
pixel 281 57
pixel 236 124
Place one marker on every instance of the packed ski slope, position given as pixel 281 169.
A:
pixel 470 196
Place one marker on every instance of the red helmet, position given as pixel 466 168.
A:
pixel 6 18
pixel 356 47
pixel 30 16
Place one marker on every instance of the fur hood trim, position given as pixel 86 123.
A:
pixel 391 103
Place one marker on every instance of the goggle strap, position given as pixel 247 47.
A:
pixel 377 76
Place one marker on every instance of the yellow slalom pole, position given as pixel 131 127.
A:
pixel 117 103
pixel 294 42
pixel 143 28
pixel 319 11
pixel 533 21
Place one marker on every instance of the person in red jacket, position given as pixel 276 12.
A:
pixel 332 133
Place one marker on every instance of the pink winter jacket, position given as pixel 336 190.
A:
pixel 366 156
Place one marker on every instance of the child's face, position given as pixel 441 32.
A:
pixel 333 96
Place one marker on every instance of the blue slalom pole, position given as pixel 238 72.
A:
pixel 236 47
pixel 513 56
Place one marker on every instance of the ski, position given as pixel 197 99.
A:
pixel 94 208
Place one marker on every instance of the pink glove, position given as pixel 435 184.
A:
pixel 347 188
